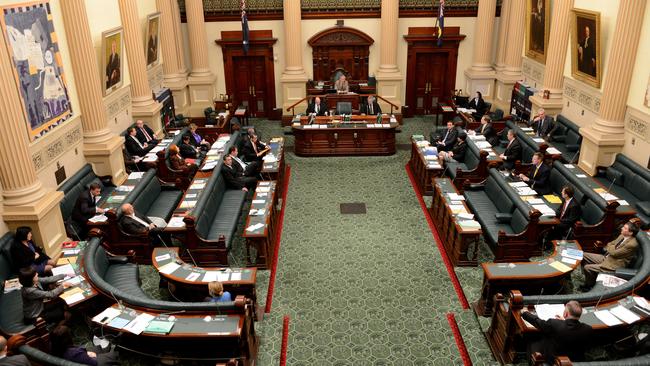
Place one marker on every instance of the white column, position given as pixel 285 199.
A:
pixel 480 76
pixel 389 78
pixel 201 80
pixel 293 78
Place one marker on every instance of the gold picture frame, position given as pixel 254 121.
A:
pixel 586 59
pixel 112 52
pixel 538 19
pixel 152 40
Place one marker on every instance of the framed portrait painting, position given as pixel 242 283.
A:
pixel 538 17
pixel 112 60
pixel 37 65
pixel 586 60
pixel 152 39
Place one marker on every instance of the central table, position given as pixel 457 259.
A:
pixel 328 136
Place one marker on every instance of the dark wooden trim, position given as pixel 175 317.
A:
pixel 315 40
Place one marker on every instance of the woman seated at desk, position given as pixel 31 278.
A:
pixel 196 140
pixel 177 162
pixel 216 292
pixel 25 253
pixel 62 346
pixel 35 291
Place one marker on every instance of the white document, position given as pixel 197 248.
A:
pixel 235 276
pixel 156 149
pixel 263 189
pixel 624 314
pixel 149 158
pixel 467 216
pixel 259 201
pixel 176 221
pixel 169 268
pixel 518 184
pixel 135 175
pixel 606 317
pixel 74 280
pixel 641 302
pixel 536 201
pixel 549 311
pixel 79 296
pixel 623 203
pixel 456 197
pixel 569 166
pixel 210 276
pixel 162 257
pixel 570 261
pixel 223 276
pixel 609 280
pixel 193 276
pixel 107 315
pixel 98 218
pixel 254 227
pixel 69 252
pixel 553 151
pixel 581 175
pixel 139 324
pixel 65 270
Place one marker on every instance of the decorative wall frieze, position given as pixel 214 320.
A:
pixel 637 123
pixel 57 143
pixel 533 70
pixel 582 94
pixel 117 102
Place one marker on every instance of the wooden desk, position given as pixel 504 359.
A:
pixel 262 238
pixel 83 287
pixel 527 277
pixel 242 114
pixel 327 137
pixel 200 335
pixel 509 333
pixel 238 281
pixel 458 235
pixel 545 221
pixel 274 170
pixel 423 169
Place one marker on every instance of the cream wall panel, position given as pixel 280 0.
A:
pixel 637 135
pixel 639 85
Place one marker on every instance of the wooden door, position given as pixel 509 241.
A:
pixel 250 86
pixel 431 71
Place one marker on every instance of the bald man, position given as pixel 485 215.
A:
pixel 17 360
pixel 133 223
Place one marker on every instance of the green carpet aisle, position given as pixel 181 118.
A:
pixel 365 289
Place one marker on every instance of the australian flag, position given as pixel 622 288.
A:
pixel 244 26
pixel 441 21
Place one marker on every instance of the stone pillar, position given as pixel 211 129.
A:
pixel 293 77
pixel 180 52
pixel 389 78
pixel 500 63
pixel 144 106
pixel 606 137
pixel 480 76
pixel 173 78
pixel 201 80
pixel 25 200
pixel 102 148
pixel 511 73
pixel 555 58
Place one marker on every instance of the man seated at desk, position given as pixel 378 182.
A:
pixel 187 150
pixel 145 134
pixel 341 85
pixel 538 177
pixel 563 336
pixel 568 213
pixel 512 152
pixel 371 108
pixel 251 169
pixel 136 224
pixel 448 139
pixel 542 124
pixel 235 179
pixel 618 254
pixel 134 146
pixel 317 107
pixel 457 154
pixel 254 149
pixel 487 129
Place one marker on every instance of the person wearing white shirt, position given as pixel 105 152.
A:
pixel 133 224
pixel 250 169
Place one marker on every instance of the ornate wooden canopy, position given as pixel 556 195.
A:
pixel 340 48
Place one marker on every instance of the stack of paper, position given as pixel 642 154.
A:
pixel 159 326
pixel 176 221
pixel 72 295
pixel 150 158
pixel 107 315
pixel 553 151
pixel 549 311
pixel 98 218
pixel 624 314
pixel 606 317
pixel 469 224
pixel 572 253
pixel 135 175
pixel 254 227
pixel 66 270
pixel 545 210
pixel 455 197
pixel 169 268
pixel 139 324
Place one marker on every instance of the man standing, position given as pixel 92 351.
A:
pixel 538 176
pixel 587 54
pixel 618 254
pixel 86 207
pixel 563 336
pixel 113 66
pixel 542 124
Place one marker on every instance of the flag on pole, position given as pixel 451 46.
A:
pixel 244 26
pixel 441 21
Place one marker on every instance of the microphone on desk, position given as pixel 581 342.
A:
pixel 539 298
pixel 600 298
pixel 119 302
pixel 173 312
pixel 574 156
pixel 191 257
pixel 611 184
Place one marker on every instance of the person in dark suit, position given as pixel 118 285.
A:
pixel 568 213
pixel 449 138
pixel 562 336
pixel 254 150
pixel 317 107
pixel 542 124
pixel 152 44
pixel 251 169
pixel 86 207
pixel 235 178
pixel 618 253
pixel 587 53
pixel 187 150
pixel 477 103
pixel 195 139
pixel 134 223
pixel 113 66
pixel 371 108
pixel 16 360
pixel 486 129
pixel 512 153
pixel 457 154
pixel 25 253
pixel 538 176
pixel 134 146
pixel 145 134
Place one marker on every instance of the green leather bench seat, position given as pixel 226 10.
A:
pixel 470 161
pixel 606 294
pixel 643 360
pixel 41 358
pixel 78 183
pixel 10 303
pixel 528 146
pixel 629 181
pixel 101 274
pixel 593 205
pixel 566 138
pixel 150 198
pixel 497 198
pixel 220 210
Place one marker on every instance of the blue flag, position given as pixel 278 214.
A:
pixel 244 26
pixel 441 21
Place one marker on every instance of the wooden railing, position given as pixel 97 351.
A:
pixel 361 96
